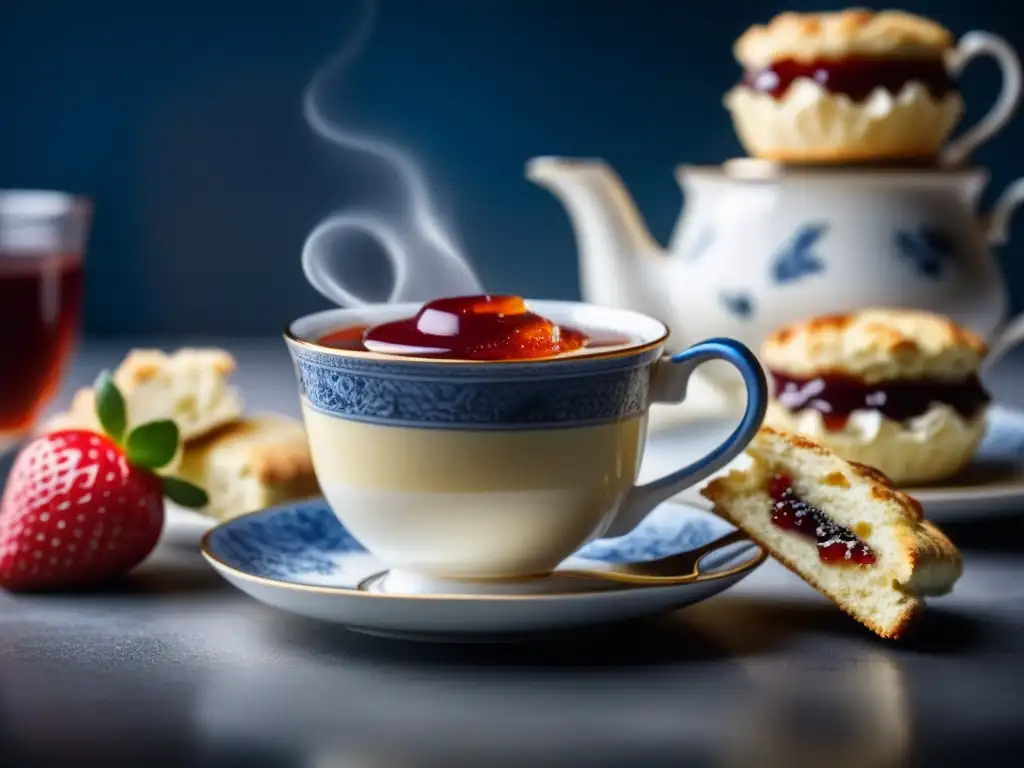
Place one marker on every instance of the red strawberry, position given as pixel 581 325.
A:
pixel 80 507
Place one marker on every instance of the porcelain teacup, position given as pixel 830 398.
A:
pixel 469 470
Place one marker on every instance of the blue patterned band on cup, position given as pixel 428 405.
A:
pixel 535 395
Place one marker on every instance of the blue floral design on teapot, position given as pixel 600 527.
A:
pixel 738 303
pixel 926 249
pixel 796 258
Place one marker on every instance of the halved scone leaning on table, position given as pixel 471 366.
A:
pixel 841 527
pixel 896 389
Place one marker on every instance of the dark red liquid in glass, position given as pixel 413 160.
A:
pixel 836 543
pixel 473 328
pixel 836 397
pixel 40 305
pixel 853 77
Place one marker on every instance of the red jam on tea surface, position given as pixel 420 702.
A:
pixel 837 545
pixel 853 77
pixel 836 396
pixel 487 328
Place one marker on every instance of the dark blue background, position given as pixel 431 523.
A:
pixel 183 120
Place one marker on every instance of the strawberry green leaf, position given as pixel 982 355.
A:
pixel 183 493
pixel 152 445
pixel 110 408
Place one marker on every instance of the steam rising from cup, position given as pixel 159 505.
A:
pixel 426 261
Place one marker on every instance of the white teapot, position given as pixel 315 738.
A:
pixel 760 245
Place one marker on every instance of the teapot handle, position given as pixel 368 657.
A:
pixel 436 270
pixel 972 45
pixel 997 232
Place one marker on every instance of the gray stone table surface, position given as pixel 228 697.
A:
pixel 177 668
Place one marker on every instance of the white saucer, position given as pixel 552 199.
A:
pixel 300 559
pixel 992 485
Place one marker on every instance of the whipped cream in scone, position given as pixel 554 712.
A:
pixel 894 389
pixel 845 86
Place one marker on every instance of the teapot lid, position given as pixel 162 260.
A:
pixel 757 169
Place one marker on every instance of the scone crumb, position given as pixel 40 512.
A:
pixel 871 473
pixel 141 365
pixel 837 479
pixel 824 323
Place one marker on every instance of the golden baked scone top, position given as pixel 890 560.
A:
pixel 876 345
pixel 841 34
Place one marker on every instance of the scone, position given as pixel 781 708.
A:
pixel 895 389
pixel 189 386
pixel 845 87
pixel 251 464
pixel 841 527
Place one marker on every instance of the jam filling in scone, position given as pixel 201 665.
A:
pixel 893 389
pixel 853 77
pixel 837 545
pixel 837 397
pixel 850 86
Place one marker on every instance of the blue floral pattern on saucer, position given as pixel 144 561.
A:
pixel 304 541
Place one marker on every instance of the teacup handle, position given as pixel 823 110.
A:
pixel 972 45
pixel 425 264
pixel 668 385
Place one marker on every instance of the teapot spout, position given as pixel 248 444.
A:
pixel 614 243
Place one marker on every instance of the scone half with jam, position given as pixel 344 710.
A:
pixel 841 527
pixel 894 389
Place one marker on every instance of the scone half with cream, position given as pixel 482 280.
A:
pixel 894 389
pixel 841 527
pixel 845 87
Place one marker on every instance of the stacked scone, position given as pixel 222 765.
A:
pixel 845 87
pixel 244 463
pixel 894 389
pixel 840 526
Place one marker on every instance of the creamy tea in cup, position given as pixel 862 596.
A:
pixel 488 437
